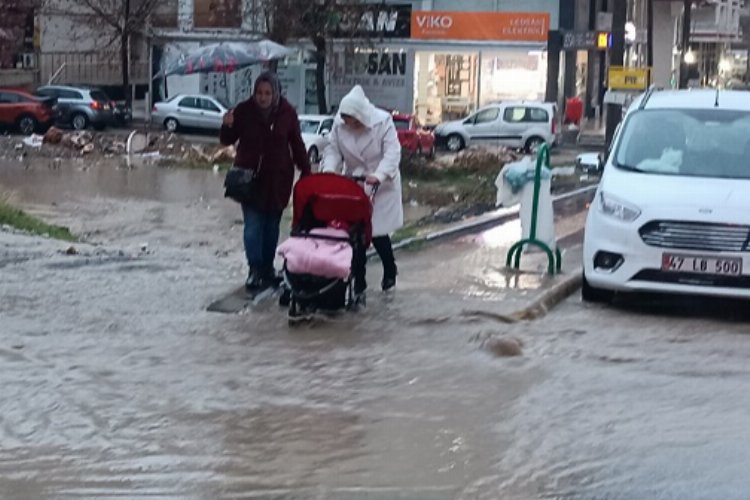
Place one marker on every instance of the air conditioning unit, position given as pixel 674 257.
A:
pixel 29 60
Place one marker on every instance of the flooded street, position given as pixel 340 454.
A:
pixel 116 382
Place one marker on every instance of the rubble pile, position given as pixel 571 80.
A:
pixel 64 144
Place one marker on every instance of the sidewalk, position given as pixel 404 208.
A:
pixel 467 260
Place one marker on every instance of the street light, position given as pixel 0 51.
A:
pixel 690 57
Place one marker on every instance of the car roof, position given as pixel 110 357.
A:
pixel 315 117
pixel 541 104
pixel 69 87
pixel 12 90
pixel 197 96
pixel 694 99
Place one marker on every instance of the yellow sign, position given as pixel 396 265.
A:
pixel 603 40
pixel 621 78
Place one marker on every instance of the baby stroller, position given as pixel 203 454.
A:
pixel 331 221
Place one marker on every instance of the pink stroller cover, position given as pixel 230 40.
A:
pixel 319 257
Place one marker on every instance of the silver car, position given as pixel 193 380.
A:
pixel 189 111
pixel 80 106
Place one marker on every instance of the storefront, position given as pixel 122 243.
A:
pixel 451 63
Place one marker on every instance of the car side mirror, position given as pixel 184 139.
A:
pixel 324 133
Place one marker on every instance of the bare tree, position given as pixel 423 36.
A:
pixel 317 21
pixel 125 20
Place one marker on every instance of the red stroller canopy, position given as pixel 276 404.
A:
pixel 332 197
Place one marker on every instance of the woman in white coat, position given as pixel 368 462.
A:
pixel 364 142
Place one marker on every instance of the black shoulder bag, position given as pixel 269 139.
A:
pixel 240 184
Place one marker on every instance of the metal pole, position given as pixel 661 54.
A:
pixel 479 78
pixel 685 42
pixel 150 73
pixel 650 33
pixel 616 56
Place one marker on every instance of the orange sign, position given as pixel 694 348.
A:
pixel 499 26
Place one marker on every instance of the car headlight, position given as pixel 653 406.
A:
pixel 618 209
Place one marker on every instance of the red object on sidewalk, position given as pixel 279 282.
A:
pixel 573 110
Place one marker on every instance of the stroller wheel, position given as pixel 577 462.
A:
pixel 298 314
pixel 358 300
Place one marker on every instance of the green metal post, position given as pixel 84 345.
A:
pixel 554 259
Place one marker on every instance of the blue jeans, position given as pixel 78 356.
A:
pixel 261 235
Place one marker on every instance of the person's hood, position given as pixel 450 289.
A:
pixel 357 105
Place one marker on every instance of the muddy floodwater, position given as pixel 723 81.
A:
pixel 116 383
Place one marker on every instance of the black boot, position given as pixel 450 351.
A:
pixel 254 281
pixel 389 278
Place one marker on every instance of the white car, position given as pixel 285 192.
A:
pixel 672 211
pixel 315 130
pixel 520 124
pixel 189 111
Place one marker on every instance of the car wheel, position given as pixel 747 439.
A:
pixel 592 294
pixel 533 143
pixel 313 156
pixel 171 125
pixel 27 125
pixel 455 143
pixel 80 121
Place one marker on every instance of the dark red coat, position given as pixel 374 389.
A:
pixel 278 141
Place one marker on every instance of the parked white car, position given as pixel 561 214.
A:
pixel 189 111
pixel 672 211
pixel 516 124
pixel 315 130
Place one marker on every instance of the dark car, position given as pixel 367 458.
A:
pixel 25 112
pixel 122 114
pixel 80 106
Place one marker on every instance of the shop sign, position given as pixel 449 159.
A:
pixel 496 26
pixel 386 77
pixel 386 21
pixel 621 78
pixel 586 40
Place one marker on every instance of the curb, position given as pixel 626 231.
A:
pixel 551 297
pixel 480 222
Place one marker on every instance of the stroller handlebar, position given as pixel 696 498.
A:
pixel 363 179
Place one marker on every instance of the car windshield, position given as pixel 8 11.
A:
pixel 401 124
pixel 309 126
pixel 687 142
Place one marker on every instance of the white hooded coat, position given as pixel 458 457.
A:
pixel 373 151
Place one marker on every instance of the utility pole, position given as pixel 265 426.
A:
pixel 685 42
pixel 650 34
pixel 616 58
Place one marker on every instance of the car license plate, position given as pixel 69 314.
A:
pixel 725 266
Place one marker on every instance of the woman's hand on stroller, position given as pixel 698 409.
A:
pixel 367 179
pixel 372 180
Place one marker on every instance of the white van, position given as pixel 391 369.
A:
pixel 516 124
pixel 672 211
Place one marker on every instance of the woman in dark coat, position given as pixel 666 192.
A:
pixel 270 142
